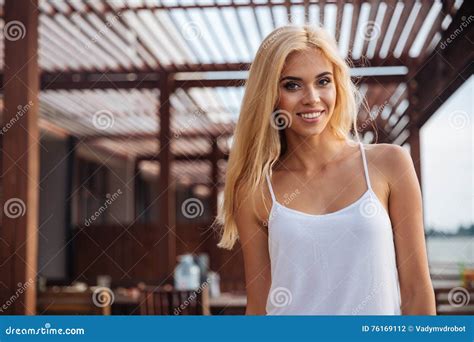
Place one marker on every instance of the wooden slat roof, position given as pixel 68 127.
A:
pixel 95 40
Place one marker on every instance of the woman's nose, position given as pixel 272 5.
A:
pixel 311 96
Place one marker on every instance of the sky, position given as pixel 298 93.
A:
pixel 447 150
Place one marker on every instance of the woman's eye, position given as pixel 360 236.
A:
pixel 291 86
pixel 324 81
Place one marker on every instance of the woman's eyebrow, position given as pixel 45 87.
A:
pixel 293 78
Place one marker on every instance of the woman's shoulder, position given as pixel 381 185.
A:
pixel 255 202
pixel 390 159
pixel 388 153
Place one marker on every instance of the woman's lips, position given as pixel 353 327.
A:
pixel 311 117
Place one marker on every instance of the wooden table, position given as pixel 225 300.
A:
pixel 228 304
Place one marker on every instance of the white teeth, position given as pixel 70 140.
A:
pixel 311 115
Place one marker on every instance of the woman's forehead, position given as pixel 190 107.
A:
pixel 306 62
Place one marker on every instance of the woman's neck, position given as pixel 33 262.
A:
pixel 315 153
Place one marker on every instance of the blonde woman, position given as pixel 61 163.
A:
pixel 327 225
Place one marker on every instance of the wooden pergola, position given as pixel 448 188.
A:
pixel 169 79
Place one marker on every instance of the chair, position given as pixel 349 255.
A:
pixel 168 301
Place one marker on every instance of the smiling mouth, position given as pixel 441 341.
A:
pixel 310 116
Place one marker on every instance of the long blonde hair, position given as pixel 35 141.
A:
pixel 256 144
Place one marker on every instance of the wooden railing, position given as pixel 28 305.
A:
pixel 454 288
pixel 130 255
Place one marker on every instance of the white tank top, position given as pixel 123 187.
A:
pixel 341 263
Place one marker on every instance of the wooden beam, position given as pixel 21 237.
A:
pixel 210 242
pixel 187 157
pixel 20 160
pixel 407 8
pixel 166 187
pixel 229 129
pixel 355 19
pixel 385 23
pixel 374 5
pixel 149 79
pixel 445 71
pixel 340 12
pixel 420 19
pixel 414 141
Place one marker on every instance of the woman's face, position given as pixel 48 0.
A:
pixel 307 92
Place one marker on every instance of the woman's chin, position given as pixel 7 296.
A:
pixel 308 131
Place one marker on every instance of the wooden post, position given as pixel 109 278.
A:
pixel 166 187
pixel 413 112
pixel 414 141
pixel 20 160
pixel 214 176
pixel 210 240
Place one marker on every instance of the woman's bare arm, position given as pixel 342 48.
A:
pixel 406 213
pixel 254 241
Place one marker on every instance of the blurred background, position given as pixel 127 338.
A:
pixel 117 120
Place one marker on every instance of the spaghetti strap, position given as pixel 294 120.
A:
pixel 270 188
pixel 367 179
